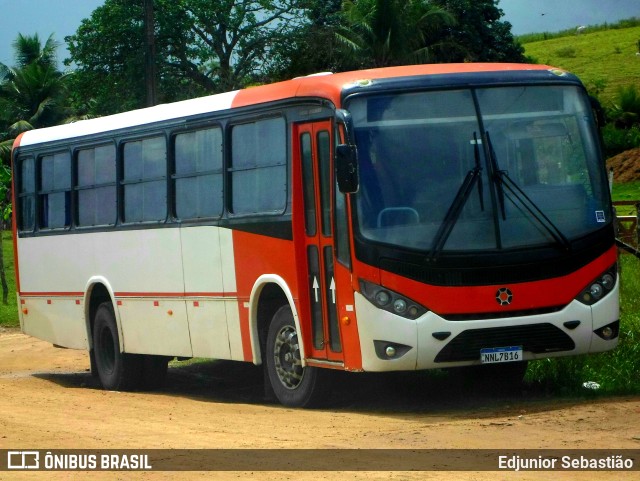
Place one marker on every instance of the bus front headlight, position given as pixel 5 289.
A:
pixel 391 301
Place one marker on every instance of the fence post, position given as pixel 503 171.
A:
pixel 638 226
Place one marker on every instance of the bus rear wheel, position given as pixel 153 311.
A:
pixel 293 384
pixel 117 371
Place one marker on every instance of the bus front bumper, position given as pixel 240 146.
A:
pixel 393 343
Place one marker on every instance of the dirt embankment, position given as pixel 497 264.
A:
pixel 626 166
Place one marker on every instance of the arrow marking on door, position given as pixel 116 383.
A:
pixel 332 286
pixel 316 286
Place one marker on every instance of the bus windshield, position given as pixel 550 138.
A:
pixel 478 169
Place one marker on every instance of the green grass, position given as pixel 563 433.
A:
pixel 571 32
pixel 618 371
pixel 605 60
pixel 627 191
pixel 9 312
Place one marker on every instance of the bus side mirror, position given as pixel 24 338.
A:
pixel 347 168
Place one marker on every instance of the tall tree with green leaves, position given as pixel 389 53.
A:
pixel 202 46
pixel 479 34
pixel 382 33
pixel 32 95
pixel 314 46
pixel 33 92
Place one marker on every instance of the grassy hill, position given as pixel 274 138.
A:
pixel 604 60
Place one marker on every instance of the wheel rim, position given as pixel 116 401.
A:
pixel 107 351
pixel 286 355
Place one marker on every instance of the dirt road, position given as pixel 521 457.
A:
pixel 49 400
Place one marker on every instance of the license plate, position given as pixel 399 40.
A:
pixel 501 354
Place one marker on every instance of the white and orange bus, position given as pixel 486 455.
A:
pixel 407 218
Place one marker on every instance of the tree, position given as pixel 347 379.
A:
pixel 202 46
pixel 33 92
pixel 32 95
pixel 314 46
pixel 382 33
pixel 479 35
pixel 625 110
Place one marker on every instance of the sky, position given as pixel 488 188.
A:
pixel 63 17
pixel 531 16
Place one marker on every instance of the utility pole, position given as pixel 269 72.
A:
pixel 150 54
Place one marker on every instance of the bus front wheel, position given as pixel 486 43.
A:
pixel 117 371
pixel 293 384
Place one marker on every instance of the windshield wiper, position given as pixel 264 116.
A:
pixel 502 181
pixel 473 177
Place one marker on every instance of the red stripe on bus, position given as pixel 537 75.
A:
pixel 559 291
pixel 51 294
pixel 217 295
pixel 232 296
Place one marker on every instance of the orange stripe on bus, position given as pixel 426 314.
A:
pixel 14 220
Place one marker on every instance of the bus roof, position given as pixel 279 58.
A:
pixel 328 86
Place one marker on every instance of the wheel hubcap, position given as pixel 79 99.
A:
pixel 286 355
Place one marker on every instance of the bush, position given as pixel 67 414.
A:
pixel 625 111
pixel 618 140
pixel 566 52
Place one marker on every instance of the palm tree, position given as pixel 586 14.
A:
pixel 625 111
pixel 33 92
pixel 383 33
pixel 32 95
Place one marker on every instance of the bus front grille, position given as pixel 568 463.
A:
pixel 536 338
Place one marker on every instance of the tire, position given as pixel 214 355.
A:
pixel 92 363
pixel 154 371
pixel 117 371
pixel 292 384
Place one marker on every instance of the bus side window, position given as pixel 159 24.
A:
pixel 145 188
pixel 26 194
pixel 198 174
pixel 55 191
pixel 96 189
pixel 343 253
pixel 259 167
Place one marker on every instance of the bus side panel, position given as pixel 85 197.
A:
pixel 232 306
pixel 155 327
pixel 254 256
pixel 50 294
pixel 58 320
pixel 205 292
pixel 144 268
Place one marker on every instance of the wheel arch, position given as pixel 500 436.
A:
pixel 269 293
pixel 99 290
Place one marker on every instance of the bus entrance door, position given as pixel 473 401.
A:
pixel 313 231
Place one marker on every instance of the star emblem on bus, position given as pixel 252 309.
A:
pixel 504 296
